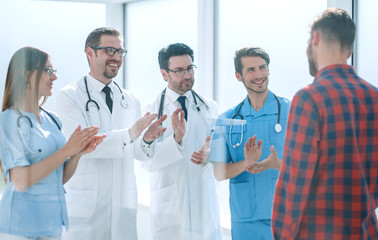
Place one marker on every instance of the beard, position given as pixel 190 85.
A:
pixel 110 74
pixel 311 62
pixel 255 90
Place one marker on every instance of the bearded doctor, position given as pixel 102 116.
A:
pixel 184 200
pixel 101 196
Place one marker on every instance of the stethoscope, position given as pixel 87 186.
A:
pixel 195 96
pixel 277 127
pixel 28 120
pixel 90 100
pixel 196 105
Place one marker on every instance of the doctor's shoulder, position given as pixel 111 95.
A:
pixel 212 106
pixel 69 89
pixel 8 116
pixel 285 104
pixel 8 120
pixel 152 106
pixel 131 99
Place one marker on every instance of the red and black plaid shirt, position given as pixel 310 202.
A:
pixel 328 183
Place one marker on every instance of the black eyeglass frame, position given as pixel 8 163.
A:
pixel 182 71
pixel 110 51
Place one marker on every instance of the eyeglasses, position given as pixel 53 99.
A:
pixel 181 72
pixel 110 51
pixel 50 71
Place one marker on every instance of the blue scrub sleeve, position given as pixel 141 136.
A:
pixel 11 146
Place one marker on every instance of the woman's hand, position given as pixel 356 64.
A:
pixel 83 141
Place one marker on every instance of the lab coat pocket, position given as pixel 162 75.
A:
pixel 164 208
pixel 242 200
pixel 81 203
pixel 81 195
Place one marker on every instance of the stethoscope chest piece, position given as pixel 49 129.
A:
pixel 278 128
pixel 124 103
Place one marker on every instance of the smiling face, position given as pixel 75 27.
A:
pixel 45 82
pixel 102 66
pixel 255 74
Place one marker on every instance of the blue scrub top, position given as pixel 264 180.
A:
pixel 251 195
pixel 40 210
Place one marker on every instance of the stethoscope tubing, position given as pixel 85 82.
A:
pixel 277 127
pixel 194 94
pixel 32 128
pixel 90 100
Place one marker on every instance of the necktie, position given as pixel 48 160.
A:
pixel 108 99
pixel 181 100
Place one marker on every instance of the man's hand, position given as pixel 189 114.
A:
pixel 271 162
pixel 252 152
pixel 178 124
pixel 141 124
pixel 154 130
pixel 202 155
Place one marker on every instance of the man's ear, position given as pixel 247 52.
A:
pixel 164 73
pixel 238 76
pixel 350 54
pixel 90 52
pixel 315 38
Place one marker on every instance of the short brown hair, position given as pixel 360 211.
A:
pixel 336 25
pixel 94 38
pixel 251 51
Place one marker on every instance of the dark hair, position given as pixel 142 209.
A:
pixel 175 49
pixel 336 25
pixel 23 62
pixel 94 38
pixel 251 51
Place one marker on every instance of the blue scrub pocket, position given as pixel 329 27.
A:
pixel 242 200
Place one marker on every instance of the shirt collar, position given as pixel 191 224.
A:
pixel 97 85
pixel 172 95
pixel 270 106
pixel 333 68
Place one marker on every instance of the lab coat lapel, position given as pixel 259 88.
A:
pixel 116 100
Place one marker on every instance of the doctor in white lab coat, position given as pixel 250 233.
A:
pixel 101 196
pixel 184 200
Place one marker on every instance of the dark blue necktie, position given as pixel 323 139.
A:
pixel 108 99
pixel 181 100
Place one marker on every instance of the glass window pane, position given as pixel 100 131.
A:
pixel 150 26
pixel 277 26
pixel 367 50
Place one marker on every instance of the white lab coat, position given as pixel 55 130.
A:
pixel 184 198
pixel 101 196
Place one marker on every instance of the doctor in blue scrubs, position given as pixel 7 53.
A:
pixel 247 147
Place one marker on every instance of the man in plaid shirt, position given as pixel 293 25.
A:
pixel 328 183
